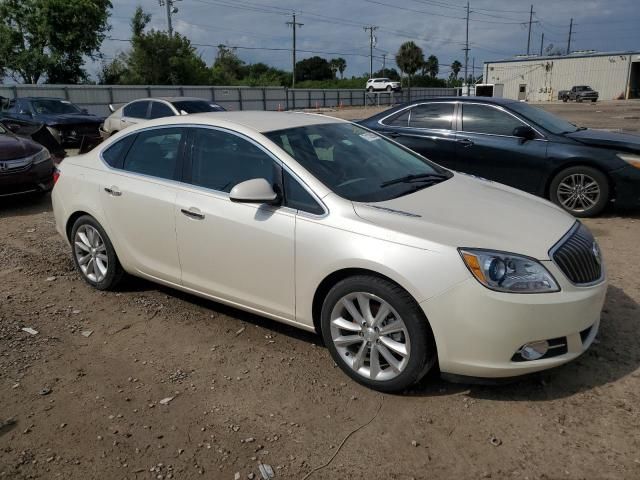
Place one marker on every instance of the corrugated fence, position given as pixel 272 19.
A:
pixel 96 98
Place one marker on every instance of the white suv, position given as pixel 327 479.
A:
pixel 387 84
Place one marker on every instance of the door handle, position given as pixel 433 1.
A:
pixel 465 142
pixel 193 213
pixel 113 191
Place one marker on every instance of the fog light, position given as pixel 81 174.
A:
pixel 534 350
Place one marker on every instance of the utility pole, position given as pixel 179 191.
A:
pixel 384 61
pixel 473 70
pixel 170 11
pixel 530 21
pixel 569 41
pixel 294 24
pixel 541 43
pixel 371 29
pixel 466 52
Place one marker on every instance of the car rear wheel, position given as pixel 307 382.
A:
pixel 389 88
pixel 94 255
pixel 564 99
pixel 582 191
pixel 377 333
pixel 370 89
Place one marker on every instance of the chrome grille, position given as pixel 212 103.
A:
pixel 578 256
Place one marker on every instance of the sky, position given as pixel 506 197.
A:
pixel 497 28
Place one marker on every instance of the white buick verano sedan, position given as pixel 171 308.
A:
pixel 397 262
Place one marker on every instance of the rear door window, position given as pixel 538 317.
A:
pixel 156 153
pixel 160 110
pixel 136 110
pixel 489 120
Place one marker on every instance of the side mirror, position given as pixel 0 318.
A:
pixel 524 133
pixel 85 111
pixel 256 190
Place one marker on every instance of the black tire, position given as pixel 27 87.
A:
pixel 565 99
pixel 422 353
pixel 370 89
pixel 115 272
pixel 594 100
pixel 389 88
pixel 579 99
pixel 596 175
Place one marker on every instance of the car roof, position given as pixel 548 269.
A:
pixel 43 98
pixel 494 100
pixel 258 121
pixel 173 99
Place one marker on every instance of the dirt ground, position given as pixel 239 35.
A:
pixel 247 390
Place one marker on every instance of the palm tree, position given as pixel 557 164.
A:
pixel 432 66
pixel 455 69
pixel 342 65
pixel 333 65
pixel 409 59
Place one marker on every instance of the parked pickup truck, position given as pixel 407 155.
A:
pixel 579 93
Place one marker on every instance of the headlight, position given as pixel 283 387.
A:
pixel 631 159
pixel 506 272
pixel 42 156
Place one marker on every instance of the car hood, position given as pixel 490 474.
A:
pixel 465 211
pixel 12 148
pixel 606 139
pixel 68 119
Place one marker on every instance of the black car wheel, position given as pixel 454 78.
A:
pixel 389 88
pixel 377 333
pixel 582 191
pixel 564 99
pixel 94 255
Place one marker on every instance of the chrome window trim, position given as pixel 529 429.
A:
pixel 409 107
pixel 502 109
pixel 279 162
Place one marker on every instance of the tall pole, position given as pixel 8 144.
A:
pixel 384 61
pixel 473 70
pixel 541 43
pixel 169 5
pixel 466 52
pixel 371 29
pixel 569 41
pixel 529 38
pixel 294 24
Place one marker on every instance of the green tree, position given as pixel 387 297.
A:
pixel 409 59
pixel 455 69
pixel 390 73
pixel 314 68
pixel 431 66
pixel 340 64
pixel 50 39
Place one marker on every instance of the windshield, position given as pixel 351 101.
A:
pixel 541 117
pixel 197 106
pixel 357 164
pixel 54 107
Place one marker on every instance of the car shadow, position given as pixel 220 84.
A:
pixel 23 205
pixel 613 355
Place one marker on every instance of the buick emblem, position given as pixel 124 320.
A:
pixel 596 252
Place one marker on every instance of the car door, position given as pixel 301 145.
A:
pixel 486 147
pixel 240 253
pixel 427 129
pixel 134 112
pixel 138 196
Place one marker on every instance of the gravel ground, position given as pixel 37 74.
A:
pixel 149 383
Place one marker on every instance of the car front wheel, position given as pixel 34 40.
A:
pixel 94 255
pixel 582 191
pixel 377 333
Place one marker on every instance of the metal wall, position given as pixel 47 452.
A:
pixel 96 98
pixel 545 76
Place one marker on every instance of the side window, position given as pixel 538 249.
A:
pixel 114 155
pixel 155 153
pixel 297 196
pixel 159 110
pixel 136 110
pixel 483 119
pixel 22 106
pixel 221 160
pixel 400 120
pixel 432 115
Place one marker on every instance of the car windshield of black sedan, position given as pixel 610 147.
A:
pixel 197 106
pixel 54 107
pixel 357 164
pixel 541 117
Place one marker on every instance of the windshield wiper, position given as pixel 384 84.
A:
pixel 427 177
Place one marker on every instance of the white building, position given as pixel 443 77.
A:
pixel 614 75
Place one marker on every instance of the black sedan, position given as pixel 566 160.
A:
pixel 511 142
pixel 69 124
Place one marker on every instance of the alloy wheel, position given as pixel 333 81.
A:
pixel 91 253
pixel 370 336
pixel 578 192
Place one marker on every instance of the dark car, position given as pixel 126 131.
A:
pixel 511 142
pixel 579 93
pixel 25 166
pixel 68 123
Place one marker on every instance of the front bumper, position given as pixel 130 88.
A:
pixel 478 331
pixel 35 178
pixel 626 182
